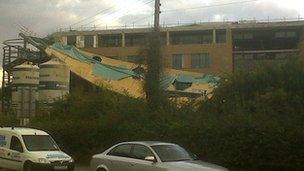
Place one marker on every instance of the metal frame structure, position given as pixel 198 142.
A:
pixel 17 52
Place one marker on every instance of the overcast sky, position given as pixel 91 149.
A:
pixel 46 16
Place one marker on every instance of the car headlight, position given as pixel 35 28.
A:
pixel 43 160
pixel 71 160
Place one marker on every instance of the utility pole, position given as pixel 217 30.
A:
pixel 156 15
pixel 152 82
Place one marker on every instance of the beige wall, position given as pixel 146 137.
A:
pixel 220 54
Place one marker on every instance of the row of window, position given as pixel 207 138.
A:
pixel 265 56
pixel 199 60
pixel 252 35
pixel 176 38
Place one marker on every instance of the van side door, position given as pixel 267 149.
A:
pixel 14 154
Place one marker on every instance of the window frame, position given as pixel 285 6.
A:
pixel 127 156
pixel 174 56
pixel 19 141
pixel 204 59
pixel 133 156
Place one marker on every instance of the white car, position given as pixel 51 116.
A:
pixel 28 149
pixel 149 156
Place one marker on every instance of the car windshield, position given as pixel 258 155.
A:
pixel 39 143
pixel 171 153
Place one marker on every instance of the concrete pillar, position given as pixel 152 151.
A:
pixel 214 36
pixel 95 41
pixel 123 41
pixel 64 40
pixel 80 41
pixel 168 38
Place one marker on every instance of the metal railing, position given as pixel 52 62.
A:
pixel 166 25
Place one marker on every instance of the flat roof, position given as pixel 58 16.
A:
pixel 238 25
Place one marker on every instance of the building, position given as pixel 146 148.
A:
pixel 214 48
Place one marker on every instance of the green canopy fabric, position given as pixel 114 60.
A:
pixel 118 73
pixel 99 69
pixel 112 73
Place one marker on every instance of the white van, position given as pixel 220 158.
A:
pixel 28 149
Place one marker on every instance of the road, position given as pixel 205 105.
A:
pixel 77 168
pixel 81 168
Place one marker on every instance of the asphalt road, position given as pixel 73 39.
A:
pixel 77 168
pixel 81 168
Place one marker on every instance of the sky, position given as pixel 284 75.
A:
pixel 47 16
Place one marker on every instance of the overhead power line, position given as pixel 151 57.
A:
pixel 210 6
pixel 127 12
pixel 90 17
pixel 143 18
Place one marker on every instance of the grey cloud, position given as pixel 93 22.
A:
pixel 45 16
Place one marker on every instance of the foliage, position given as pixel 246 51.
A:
pixel 253 119
pixel 8 120
pixel 152 81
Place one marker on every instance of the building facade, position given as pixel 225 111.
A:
pixel 213 48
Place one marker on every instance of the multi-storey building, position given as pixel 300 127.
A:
pixel 214 48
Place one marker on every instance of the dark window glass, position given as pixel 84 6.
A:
pixel 39 143
pixel 220 36
pixel 136 59
pixel 201 60
pixel 88 41
pixel 110 40
pixel 121 151
pixel 71 40
pixel 141 152
pixel 177 61
pixel 200 37
pixel 169 153
pixel 16 144
pixel 135 39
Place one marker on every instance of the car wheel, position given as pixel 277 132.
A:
pixel 28 167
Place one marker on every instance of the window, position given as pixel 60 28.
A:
pixel 243 36
pixel 135 40
pixel 136 59
pixel 201 37
pixel 170 153
pixel 39 143
pixel 141 152
pixel 286 34
pixel 200 60
pixel 248 36
pixel 2 141
pixel 220 36
pixel 16 144
pixel 238 36
pixel 291 34
pixel 110 40
pixel 177 61
pixel 88 41
pixel 280 34
pixel 121 150
pixel 71 40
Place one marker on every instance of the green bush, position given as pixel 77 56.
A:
pixel 254 119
